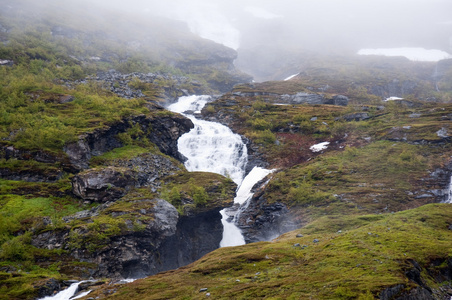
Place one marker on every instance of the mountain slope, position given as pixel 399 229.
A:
pixel 364 257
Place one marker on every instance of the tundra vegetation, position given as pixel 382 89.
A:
pixel 364 205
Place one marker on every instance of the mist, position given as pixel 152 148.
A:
pixel 320 25
pixel 266 30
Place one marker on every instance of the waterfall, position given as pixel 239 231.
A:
pixel 213 147
pixel 449 192
pixel 66 294
pixel 210 147
pixel 230 236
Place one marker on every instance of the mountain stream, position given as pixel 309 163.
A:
pixel 213 147
pixel 210 147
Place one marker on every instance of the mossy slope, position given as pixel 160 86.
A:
pixel 336 258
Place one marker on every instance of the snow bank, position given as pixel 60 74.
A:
pixel 415 54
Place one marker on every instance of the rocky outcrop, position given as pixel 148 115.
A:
pixel 48 288
pixel 103 185
pixel 438 270
pixel 164 131
pixel 30 165
pixel 298 98
pixel 395 88
pixel 262 221
pixel 307 98
pixel 129 85
pixel 149 169
pixel 354 117
pixel 10 152
pixel 30 175
pixel 136 254
pixel 195 236
pixel 166 241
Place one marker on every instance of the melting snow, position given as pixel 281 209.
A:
pixel 319 147
pixel 291 76
pixel 393 98
pixel 65 294
pixel 416 54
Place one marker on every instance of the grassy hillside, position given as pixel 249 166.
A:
pixel 364 205
pixel 46 102
pixel 331 258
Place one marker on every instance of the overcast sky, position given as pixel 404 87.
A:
pixel 311 24
pixel 314 23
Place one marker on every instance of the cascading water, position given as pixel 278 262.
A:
pixel 213 147
pixel 67 293
pixel 210 147
pixel 232 235
pixel 449 193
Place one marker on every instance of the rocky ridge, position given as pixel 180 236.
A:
pixel 167 87
pixel 161 130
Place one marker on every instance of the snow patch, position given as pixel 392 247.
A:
pixel 442 133
pixel 291 76
pixel 393 98
pixel 319 147
pixel 415 54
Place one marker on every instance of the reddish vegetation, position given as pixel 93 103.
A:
pixel 295 149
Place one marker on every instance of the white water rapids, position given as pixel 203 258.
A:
pixel 210 147
pixel 67 293
pixel 213 147
pixel 449 194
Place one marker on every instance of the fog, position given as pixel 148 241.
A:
pixel 320 25
pixel 268 28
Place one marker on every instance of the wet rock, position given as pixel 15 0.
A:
pixel 261 221
pixel 102 185
pixel 166 240
pixel 49 288
pixel 162 131
pixel 390 292
pixel 196 235
pixel 149 168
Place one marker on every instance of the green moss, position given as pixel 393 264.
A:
pixel 122 153
pixel 31 122
pixel 358 263
pixel 198 191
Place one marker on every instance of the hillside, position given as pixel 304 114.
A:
pixel 92 184
pixel 365 257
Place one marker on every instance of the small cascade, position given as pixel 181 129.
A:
pixel 213 147
pixel 65 294
pixel 231 215
pixel 210 147
pixel 435 77
pixel 449 192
